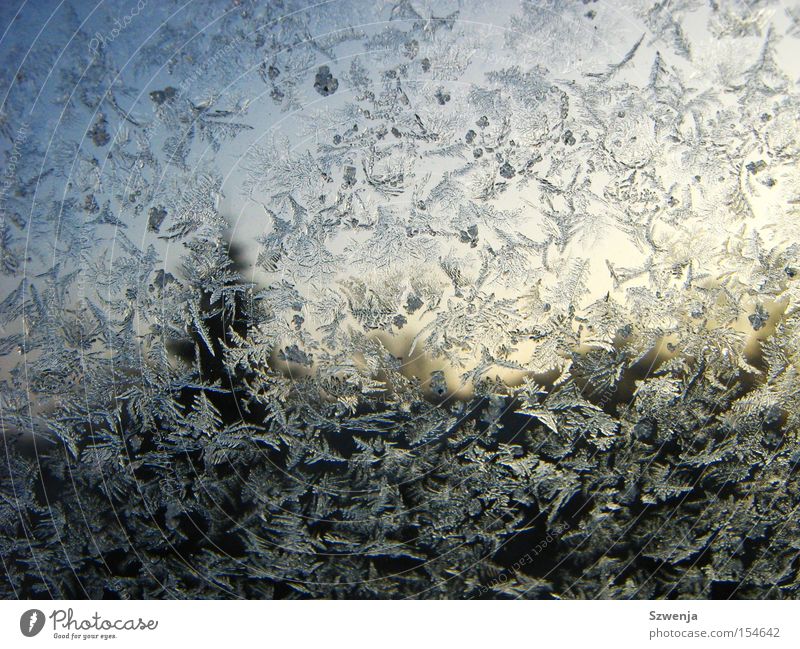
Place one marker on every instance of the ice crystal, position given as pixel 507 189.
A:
pixel 369 300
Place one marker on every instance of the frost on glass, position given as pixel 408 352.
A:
pixel 416 299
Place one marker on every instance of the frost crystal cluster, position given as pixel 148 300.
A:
pixel 400 299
